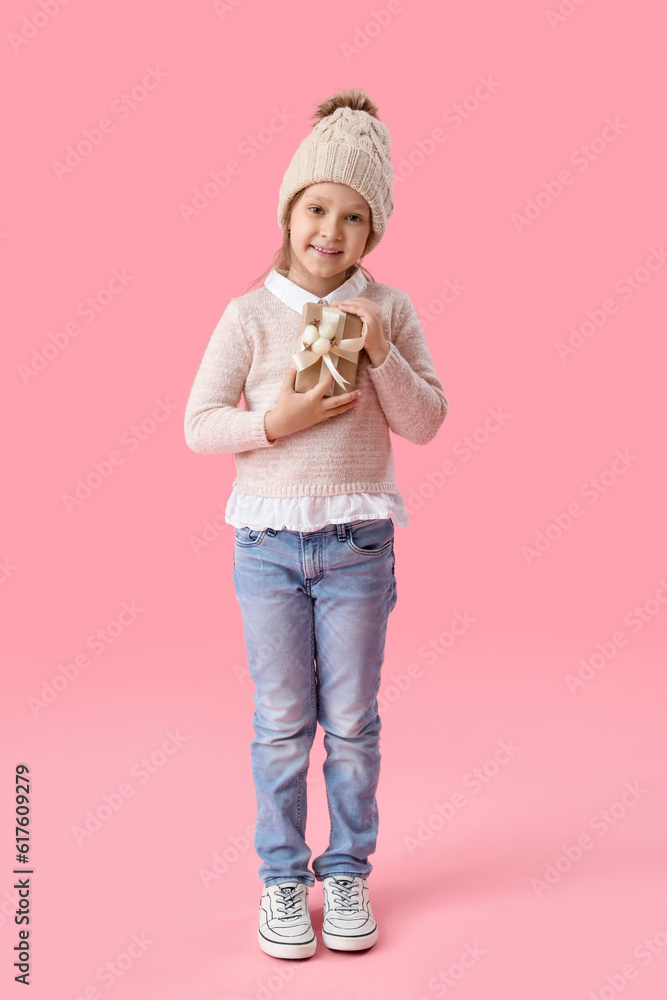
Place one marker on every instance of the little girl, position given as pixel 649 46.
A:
pixel 313 504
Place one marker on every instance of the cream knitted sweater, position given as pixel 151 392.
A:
pixel 250 351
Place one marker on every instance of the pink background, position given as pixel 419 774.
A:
pixel 178 666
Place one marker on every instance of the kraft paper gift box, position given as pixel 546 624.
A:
pixel 346 334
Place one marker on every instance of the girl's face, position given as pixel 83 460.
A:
pixel 332 217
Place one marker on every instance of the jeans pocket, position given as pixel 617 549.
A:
pixel 371 538
pixel 249 536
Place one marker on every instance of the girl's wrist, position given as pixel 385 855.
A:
pixel 379 354
pixel 269 428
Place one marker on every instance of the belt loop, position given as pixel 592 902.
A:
pixel 341 531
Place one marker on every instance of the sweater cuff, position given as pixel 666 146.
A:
pixel 258 430
pixel 390 366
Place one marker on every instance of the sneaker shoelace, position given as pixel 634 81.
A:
pixel 290 901
pixel 345 890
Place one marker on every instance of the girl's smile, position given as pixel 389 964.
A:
pixel 323 251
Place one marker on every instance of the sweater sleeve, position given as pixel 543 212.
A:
pixel 410 393
pixel 214 424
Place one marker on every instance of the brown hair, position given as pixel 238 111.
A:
pixel 357 100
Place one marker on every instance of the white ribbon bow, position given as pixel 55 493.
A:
pixel 332 319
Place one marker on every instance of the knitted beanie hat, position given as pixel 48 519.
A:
pixel 348 145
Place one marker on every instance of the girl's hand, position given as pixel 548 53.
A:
pixel 296 410
pixel 376 345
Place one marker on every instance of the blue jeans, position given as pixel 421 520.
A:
pixel 315 606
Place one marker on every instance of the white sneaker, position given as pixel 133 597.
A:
pixel 284 928
pixel 349 924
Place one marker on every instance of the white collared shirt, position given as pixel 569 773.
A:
pixel 308 513
pixel 296 297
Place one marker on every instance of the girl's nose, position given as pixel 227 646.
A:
pixel 330 229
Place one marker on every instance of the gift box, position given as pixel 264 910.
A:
pixel 329 341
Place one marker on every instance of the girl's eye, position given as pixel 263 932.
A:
pixel 351 216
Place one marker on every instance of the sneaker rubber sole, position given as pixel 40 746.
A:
pixel 276 950
pixel 344 942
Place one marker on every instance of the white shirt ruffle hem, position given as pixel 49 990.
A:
pixel 309 513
